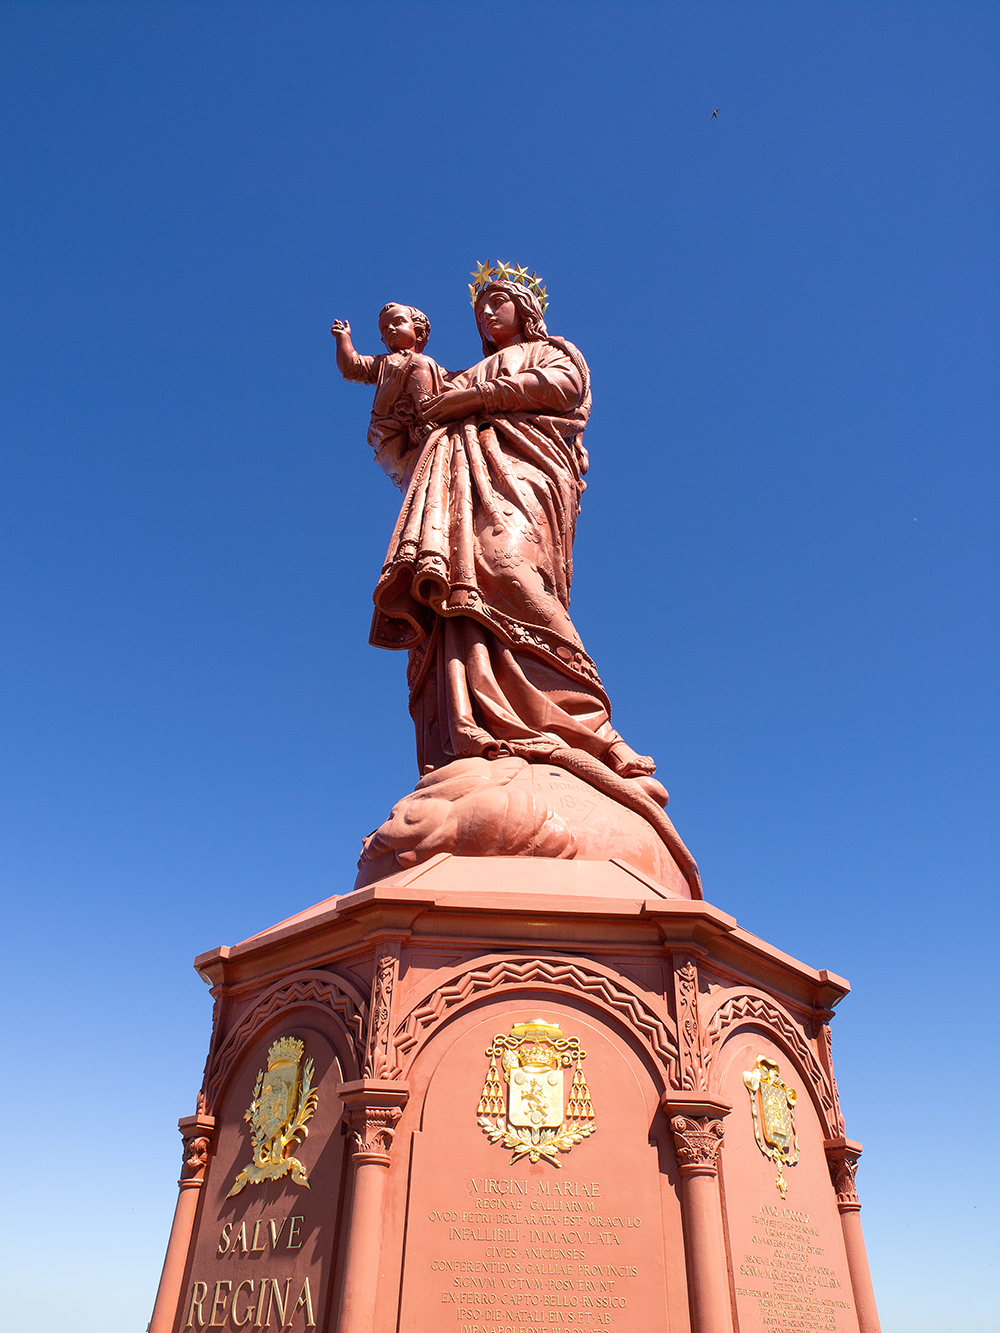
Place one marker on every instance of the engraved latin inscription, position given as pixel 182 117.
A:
pixel 786 1275
pixel 520 1256
pixel 261 1301
pixel 251 1303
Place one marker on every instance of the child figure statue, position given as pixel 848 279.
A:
pixel 404 378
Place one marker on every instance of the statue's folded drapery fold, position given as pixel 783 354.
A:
pixel 476 583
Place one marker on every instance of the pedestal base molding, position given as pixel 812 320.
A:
pixel 551 1084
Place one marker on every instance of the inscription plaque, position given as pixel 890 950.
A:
pixel 262 1256
pixel 534 1247
pixel 790 1272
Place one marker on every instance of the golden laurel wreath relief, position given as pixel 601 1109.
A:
pixel 283 1100
pixel 773 1120
pixel 529 1115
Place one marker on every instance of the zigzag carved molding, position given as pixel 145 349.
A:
pixel 418 1024
pixel 749 1008
pixel 321 991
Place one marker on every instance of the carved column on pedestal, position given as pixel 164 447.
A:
pixel 842 1156
pixel 198 1131
pixel 696 1121
pixel 373 1109
pixel 374 1104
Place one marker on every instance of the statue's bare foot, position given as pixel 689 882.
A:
pixel 624 761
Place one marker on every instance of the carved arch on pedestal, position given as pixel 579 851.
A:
pixel 751 1008
pixel 577 977
pixel 324 991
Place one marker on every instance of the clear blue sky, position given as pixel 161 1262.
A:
pixel 786 566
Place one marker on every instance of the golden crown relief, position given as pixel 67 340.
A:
pixel 283 1101
pixel 531 1115
pixel 487 273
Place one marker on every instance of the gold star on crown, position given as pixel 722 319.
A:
pixel 487 273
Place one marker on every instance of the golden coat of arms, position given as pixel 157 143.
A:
pixel 524 1104
pixel 283 1100
pixel 772 1103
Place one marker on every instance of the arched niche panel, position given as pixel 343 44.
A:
pixel 592 1239
pixel 787 1253
pixel 270 1249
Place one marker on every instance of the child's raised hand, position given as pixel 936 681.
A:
pixel 341 326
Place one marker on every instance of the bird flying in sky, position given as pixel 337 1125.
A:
pixel 716 112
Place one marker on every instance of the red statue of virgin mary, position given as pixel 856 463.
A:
pixel 476 582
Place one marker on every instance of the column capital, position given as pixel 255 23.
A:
pixel 842 1157
pixel 374 1106
pixel 698 1132
pixel 698 1143
pixel 198 1132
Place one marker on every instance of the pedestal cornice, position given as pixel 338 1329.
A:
pixel 431 905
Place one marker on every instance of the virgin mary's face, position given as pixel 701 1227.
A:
pixel 498 318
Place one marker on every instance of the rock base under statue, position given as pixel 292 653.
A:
pixel 510 1095
pixel 508 807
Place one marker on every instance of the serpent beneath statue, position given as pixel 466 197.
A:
pixel 508 807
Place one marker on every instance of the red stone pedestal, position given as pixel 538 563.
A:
pixel 667 1216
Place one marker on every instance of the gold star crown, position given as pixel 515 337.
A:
pixel 487 273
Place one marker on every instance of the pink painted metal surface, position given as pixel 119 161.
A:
pixel 476 582
pixel 530 1077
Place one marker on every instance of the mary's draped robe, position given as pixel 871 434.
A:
pixel 476 583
